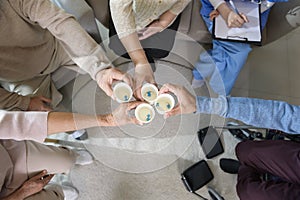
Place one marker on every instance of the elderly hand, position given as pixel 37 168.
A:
pixel 186 101
pixel 106 77
pixel 236 20
pixel 31 186
pixel 143 74
pixel 39 103
pixel 120 116
pixel 153 28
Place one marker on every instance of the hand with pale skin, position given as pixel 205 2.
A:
pixel 235 20
pixel 232 19
pixel 39 103
pixel 106 77
pixel 120 116
pixel 158 25
pixel 31 186
pixel 143 74
pixel 186 101
pixel 153 28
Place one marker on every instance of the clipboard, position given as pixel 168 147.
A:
pixel 250 32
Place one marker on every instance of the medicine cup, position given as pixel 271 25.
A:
pixel 164 103
pixel 149 92
pixel 144 113
pixel 122 92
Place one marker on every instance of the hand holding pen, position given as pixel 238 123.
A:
pixel 235 18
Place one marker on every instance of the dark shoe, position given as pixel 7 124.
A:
pixel 239 134
pixel 230 166
pixel 214 194
pixel 244 134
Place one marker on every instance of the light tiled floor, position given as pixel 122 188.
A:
pixel 272 71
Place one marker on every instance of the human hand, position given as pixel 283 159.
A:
pixel 153 28
pixel 236 20
pixel 213 14
pixel 35 184
pixel 120 115
pixel 39 103
pixel 143 73
pixel 106 77
pixel 186 101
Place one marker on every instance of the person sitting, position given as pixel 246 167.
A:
pixel 28 165
pixel 280 158
pixel 144 31
pixel 36 39
pixel 225 60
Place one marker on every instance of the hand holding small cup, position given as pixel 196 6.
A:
pixel 186 101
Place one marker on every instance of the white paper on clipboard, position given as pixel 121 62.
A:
pixel 249 32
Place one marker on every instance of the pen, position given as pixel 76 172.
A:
pixel 234 7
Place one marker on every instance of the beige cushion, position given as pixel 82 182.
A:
pixel 192 24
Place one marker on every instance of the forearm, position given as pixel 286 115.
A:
pixel 224 10
pixel 83 50
pixel 134 49
pixel 167 19
pixel 17 195
pixel 62 122
pixel 256 112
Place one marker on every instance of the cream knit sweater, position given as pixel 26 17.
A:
pixel 131 15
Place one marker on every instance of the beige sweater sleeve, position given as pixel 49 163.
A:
pixel 23 125
pixel 178 7
pixel 123 17
pixel 13 101
pixel 83 50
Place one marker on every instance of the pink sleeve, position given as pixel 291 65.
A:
pixel 23 125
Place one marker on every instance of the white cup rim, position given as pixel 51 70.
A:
pixel 169 97
pixel 141 106
pixel 146 85
pixel 122 84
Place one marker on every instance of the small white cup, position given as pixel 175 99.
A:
pixel 164 103
pixel 144 113
pixel 149 92
pixel 122 92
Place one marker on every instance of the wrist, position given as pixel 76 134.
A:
pixel 224 11
pixel 163 24
pixel 106 120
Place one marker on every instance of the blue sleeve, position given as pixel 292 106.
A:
pixel 256 112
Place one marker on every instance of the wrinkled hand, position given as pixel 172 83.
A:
pixel 35 184
pixel 120 116
pixel 186 101
pixel 236 20
pixel 153 28
pixel 39 103
pixel 106 77
pixel 143 73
